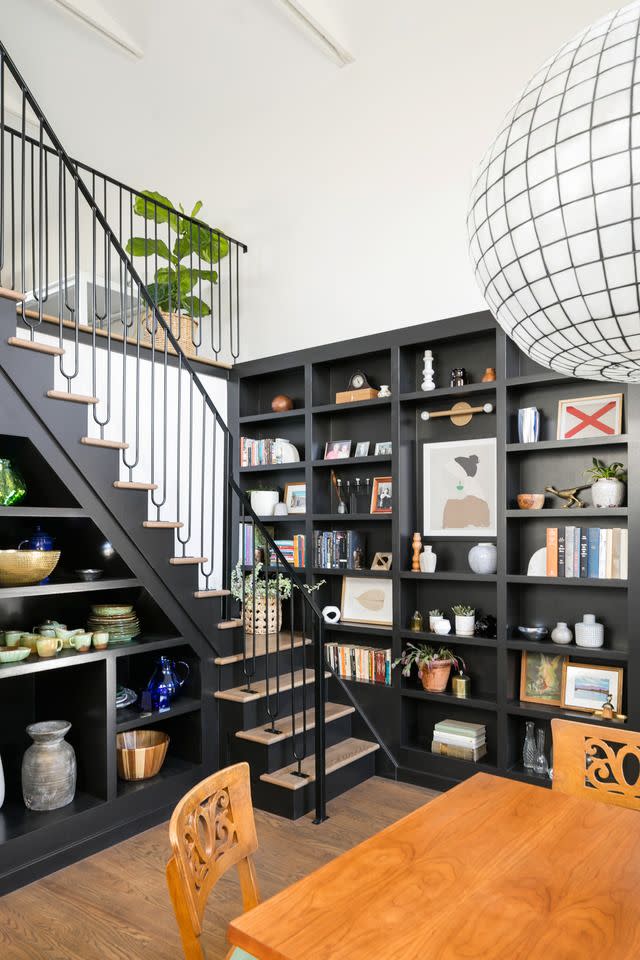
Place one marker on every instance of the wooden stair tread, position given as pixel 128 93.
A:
pixel 182 561
pixel 259 687
pixel 71 397
pixel 262 734
pixel 34 345
pixel 337 756
pixel 101 442
pixel 261 643
pixel 163 524
pixel 201 594
pixel 7 294
pixel 229 624
pixel 134 485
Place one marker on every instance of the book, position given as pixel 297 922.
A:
pixel 609 556
pixel 562 552
pixel 458 752
pixel 576 551
pixel 552 551
pixel 460 741
pixel 615 553
pixel 568 540
pixel 356 662
pixel 602 554
pixel 583 570
pixel 624 554
pixel 461 728
pixel 593 552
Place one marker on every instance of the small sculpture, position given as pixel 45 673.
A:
pixel 417 544
pixel 428 559
pixel 489 375
pixel 570 495
pixel 427 372
pixel 458 377
pixel 384 391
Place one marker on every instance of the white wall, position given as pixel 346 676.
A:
pixel 349 185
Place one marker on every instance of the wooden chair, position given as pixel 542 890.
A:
pixel 596 762
pixel 212 829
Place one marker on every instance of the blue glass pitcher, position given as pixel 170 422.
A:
pixel 165 684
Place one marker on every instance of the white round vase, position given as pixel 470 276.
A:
pixel 483 558
pixel 561 633
pixel 607 492
pixel 263 502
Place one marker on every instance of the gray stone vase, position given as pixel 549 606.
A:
pixel 48 767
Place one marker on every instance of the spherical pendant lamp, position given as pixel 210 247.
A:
pixel 554 219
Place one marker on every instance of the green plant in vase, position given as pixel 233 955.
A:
pixel 607 489
pixel 12 486
pixel 434 665
pixel 262 596
pixel 465 619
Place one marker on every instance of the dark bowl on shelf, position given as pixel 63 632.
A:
pixel 89 574
pixel 538 632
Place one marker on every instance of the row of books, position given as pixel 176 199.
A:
pixel 592 552
pixel 359 663
pixel 335 549
pixel 257 453
pixel 460 739
pixel 292 550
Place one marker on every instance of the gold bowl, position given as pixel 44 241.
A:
pixel 24 568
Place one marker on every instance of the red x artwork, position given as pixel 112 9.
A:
pixel 590 420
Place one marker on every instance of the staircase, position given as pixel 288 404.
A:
pixel 110 377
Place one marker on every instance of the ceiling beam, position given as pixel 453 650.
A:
pixel 305 14
pixel 94 16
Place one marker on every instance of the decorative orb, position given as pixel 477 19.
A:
pixel 281 403
pixel 554 218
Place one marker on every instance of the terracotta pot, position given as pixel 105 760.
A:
pixel 436 677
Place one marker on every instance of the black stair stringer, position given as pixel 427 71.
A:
pixel 89 472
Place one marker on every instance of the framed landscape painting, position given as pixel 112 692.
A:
pixel 460 488
pixel 586 686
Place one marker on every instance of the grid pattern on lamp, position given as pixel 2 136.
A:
pixel 554 218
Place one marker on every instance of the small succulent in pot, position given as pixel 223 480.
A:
pixel 433 616
pixel 465 619
pixel 434 665
pixel 607 489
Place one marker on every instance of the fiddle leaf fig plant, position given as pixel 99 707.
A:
pixel 197 241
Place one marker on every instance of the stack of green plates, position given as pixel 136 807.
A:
pixel 119 620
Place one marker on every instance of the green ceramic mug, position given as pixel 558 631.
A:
pixel 12 638
pixel 81 642
pixel 48 646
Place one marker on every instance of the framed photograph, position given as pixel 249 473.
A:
pixel 381 495
pixel 381 561
pixel 459 495
pixel 337 449
pixel 362 449
pixel 367 600
pixel 383 449
pixel 586 686
pixel 587 417
pixel 295 497
pixel 541 678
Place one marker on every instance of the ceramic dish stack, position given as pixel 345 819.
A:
pixel 119 620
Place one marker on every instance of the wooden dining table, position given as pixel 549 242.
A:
pixel 494 869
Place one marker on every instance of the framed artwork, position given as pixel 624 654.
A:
pixel 362 449
pixel 381 561
pixel 586 686
pixel 337 450
pixel 295 497
pixel 383 449
pixel 367 600
pixel 459 494
pixel 381 495
pixel 587 417
pixel 541 678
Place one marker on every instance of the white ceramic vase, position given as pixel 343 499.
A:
pixel 263 502
pixel 433 621
pixel 465 626
pixel 442 626
pixel 483 558
pixel 589 633
pixel 561 633
pixel 607 492
pixel 428 560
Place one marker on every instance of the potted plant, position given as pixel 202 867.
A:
pixel 433 616
pixel 194 242
pixel 608 483
pixel 434 666
pixel 465 620
pixel 263 500
pixel 263 597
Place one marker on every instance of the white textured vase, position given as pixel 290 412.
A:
pixel 607 492
pixel 428 560
pixel 483 558
pixel 561 633
pixel 465 626
pixel 589 633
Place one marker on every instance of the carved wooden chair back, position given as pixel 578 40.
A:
pixel 596 762
pixel 212 829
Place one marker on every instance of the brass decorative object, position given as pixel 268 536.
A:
pixel 570 494
pixel 25 568
pixel 460 414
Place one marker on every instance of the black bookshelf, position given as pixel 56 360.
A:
pixel 403 715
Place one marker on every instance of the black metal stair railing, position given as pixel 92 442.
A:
pixel 150 403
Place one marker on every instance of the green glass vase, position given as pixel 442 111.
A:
pixel 12 487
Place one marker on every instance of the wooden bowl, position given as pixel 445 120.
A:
pixel 141 753
pixel 24 568
pixel 530 501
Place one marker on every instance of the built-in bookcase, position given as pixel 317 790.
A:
pixel 403 714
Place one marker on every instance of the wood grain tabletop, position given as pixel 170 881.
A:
pixel 493 869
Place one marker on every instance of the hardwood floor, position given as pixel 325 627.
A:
pixel 115 906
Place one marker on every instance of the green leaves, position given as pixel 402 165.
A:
pixel 151 210
pixel 203 242
pixel 144 247
pixel 195 307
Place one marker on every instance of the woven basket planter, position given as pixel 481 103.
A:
pixel 274 616
pixel 436 677
pixel 182 326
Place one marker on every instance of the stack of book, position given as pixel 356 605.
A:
pixel 587 552
pixel 457 738
pixel 292 550
pixel 366 664
pixel 336 549
pixel 256 453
